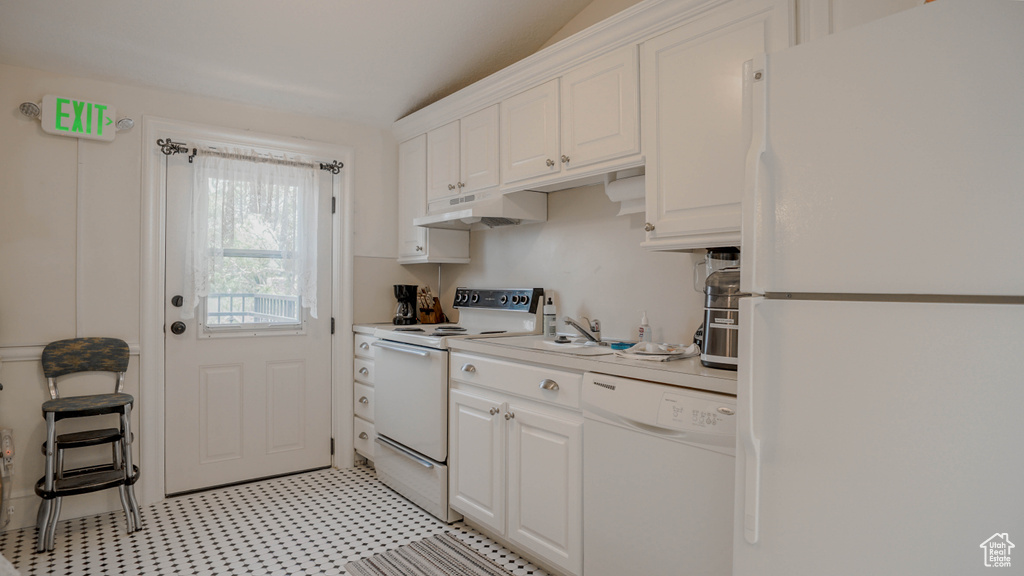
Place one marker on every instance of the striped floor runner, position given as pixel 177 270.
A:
pixel 440 555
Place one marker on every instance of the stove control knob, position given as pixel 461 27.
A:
pixel 524 299
pixel 503 299
pixel 515 298
pixel 475 298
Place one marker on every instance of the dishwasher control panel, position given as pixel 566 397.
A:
pixel 685 412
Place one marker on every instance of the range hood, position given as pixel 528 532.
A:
pixel 524 207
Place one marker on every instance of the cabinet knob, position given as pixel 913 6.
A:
pixel 419 248
pixel 364 345
pixel 451 186
pixel 565 159
pixel 549 384
pixel 364 371
pixel 364 400
pixel 509 415
pixel 494 411
pixel 468 368
pixel 550 162
pixel 461 184
pixel 649 227
pixel 363 436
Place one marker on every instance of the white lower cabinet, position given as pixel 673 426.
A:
pixel 516 464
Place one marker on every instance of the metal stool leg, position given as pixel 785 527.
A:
pixel 49 518
pixel 51 532
pixel 126 419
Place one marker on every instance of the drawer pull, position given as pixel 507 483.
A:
pixel 364 400
pixel 549 384
pixel 364 345
pixel 468 368
pixel 363 436
pixel 364 371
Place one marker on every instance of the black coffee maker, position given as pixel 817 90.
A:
pixel 405 312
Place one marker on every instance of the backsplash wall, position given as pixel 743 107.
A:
pixel 591 261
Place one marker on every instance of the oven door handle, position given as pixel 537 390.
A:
pixel 402 349
pixel 405 452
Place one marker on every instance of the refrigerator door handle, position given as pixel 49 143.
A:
pixel 747 435
pixel 754 190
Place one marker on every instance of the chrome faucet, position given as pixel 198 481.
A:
pixel 591 331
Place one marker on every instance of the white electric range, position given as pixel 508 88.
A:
pixel 411 389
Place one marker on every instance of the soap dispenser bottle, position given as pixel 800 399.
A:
pixel 550 320
pixel 643 332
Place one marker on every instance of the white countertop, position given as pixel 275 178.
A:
pixel 687 373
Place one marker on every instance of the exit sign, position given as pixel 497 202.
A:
pixel 78 118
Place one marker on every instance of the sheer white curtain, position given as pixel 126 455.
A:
pixel 276 198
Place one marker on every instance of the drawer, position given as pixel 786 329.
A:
pixel 363 346
pixel 362 370
pixel 364 401
pixel 364 437
pixel 527 380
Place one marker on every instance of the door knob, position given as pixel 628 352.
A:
pixel 178 327
pixel 177 301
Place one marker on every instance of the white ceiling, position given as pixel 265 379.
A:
pixel 371 61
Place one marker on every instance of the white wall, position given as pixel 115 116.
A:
pixel 592 261
pixel 70 232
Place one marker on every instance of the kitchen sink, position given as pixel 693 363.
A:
pixel 574 348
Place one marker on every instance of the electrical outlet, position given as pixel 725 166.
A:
pixel 7 450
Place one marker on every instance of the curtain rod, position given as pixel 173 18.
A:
pixel 169 147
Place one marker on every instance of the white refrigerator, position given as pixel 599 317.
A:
pixel 881 364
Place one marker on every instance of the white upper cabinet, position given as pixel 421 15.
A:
pixel 462 158
pixel 697 90
pixel 820 18
pixel 529 129
pixel 415 243
pixel 479 143
pixel 559 129
pixel 443 162
pixel 600 101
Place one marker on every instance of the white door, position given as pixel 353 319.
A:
pixel 697 122
pixel 529 134
pixel 412 203
pixel 247 394
pixel 545 485
pixel 477 459
pixel 479 148
pixel 443 161
pixel 600 109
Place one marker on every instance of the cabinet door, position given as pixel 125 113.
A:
pixel 545 480
pixel 476 459
pixel 819 18
pixel 479 144
pixel 412 191
pixel 443 161
pixel 529 133
pixel 697 121
pixel 599 111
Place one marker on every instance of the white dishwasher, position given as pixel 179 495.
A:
pixel 658 465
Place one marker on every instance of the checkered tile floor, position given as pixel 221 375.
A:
pixel 308 524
